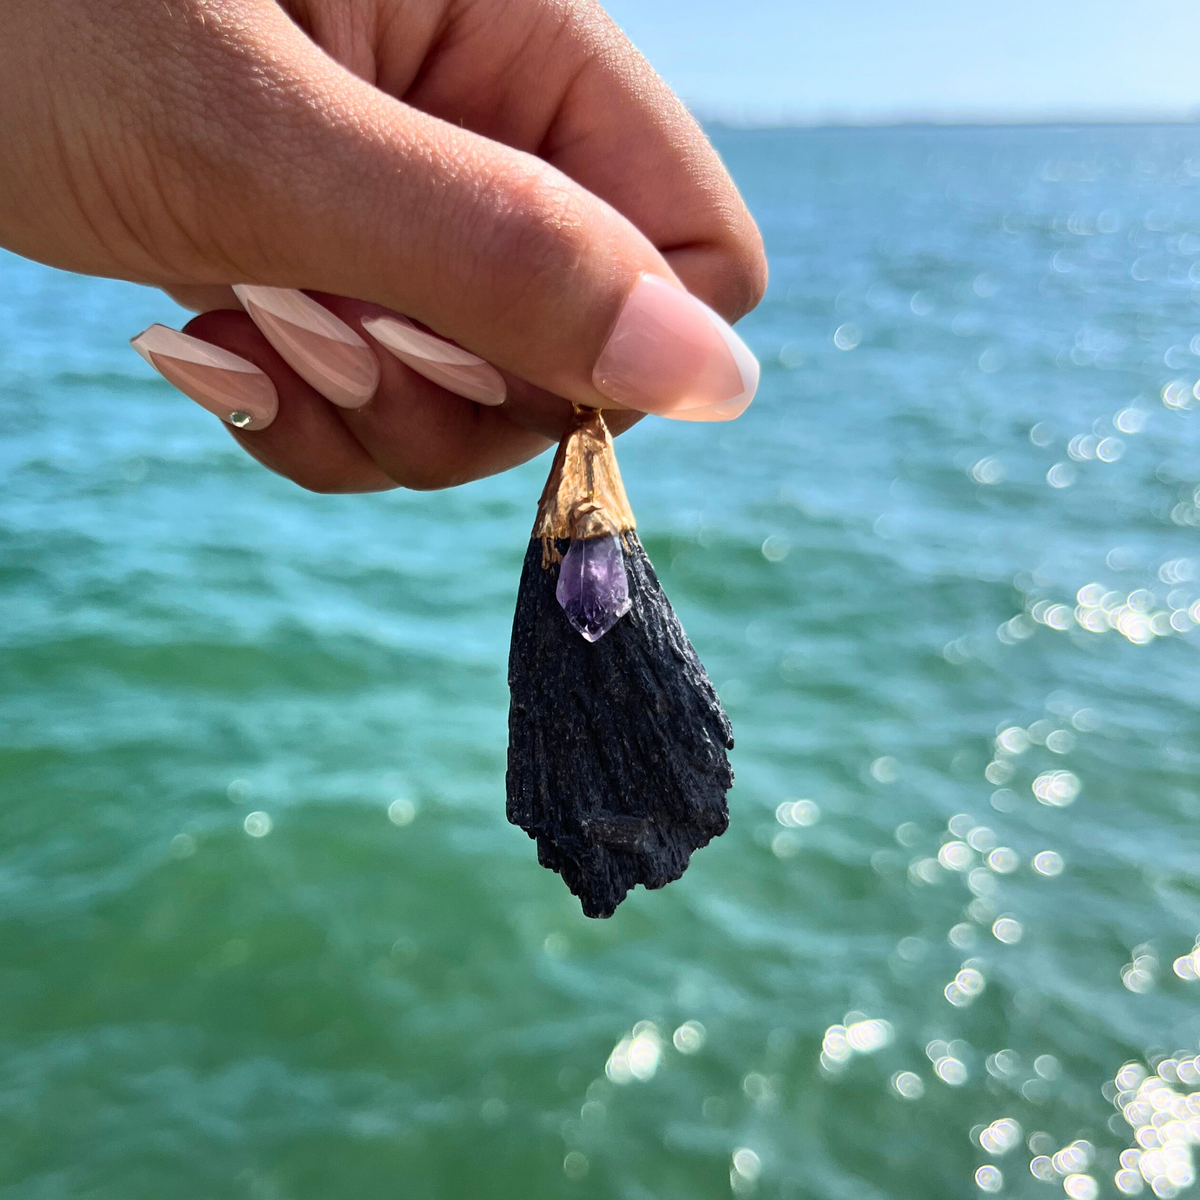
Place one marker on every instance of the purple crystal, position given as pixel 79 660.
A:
pixel 592 587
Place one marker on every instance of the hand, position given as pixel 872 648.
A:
pixel 510 174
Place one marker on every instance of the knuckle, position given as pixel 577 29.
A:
pixel 319 487
pixel 744 272
pixel 416 478
pixel 752 280
pixel 536 236
pixel 312 477
pixel 425 483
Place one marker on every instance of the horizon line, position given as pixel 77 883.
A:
pixel 997 120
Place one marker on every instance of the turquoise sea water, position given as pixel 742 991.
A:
pixel 946 565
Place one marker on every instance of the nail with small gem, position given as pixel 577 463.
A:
pixel 228 386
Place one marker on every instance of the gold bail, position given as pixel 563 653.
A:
pixel 584 496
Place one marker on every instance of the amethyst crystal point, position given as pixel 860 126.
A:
pixel 592 586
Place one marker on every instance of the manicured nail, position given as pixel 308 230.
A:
pixel 229 386
pixel 729 410
pixel 669 352
pixel 447 364
pixel 322 350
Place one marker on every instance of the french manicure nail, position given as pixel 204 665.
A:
pixel 229 386
pixel 445 363
pixel 729 410
pixel 669 352
pixel 323 350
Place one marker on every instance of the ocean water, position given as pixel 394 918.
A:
pixel 265 932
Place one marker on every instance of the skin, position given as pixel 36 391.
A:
pixel 500 170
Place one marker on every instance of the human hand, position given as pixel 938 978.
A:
pixel 508 173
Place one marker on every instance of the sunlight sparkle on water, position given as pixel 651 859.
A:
pixel 965 987
pixel 745 1168
pixel 401 811
pixel 885 770
pixel 1056 788
pixel 635 1056
pixel 257 824
pixel 1003 1064
pixel 575 1165
pixel 1138 975
pixel 1000 1136
pixel 842 1042
pixel 796 814
pixel 1165 1120
pixel 1003 860
pixel 1048 863
pixel 1187 966
pixel 1040 1167
pixel 1139 616
pixel 847 336
pixel 963 936
pixel 989 1178
pixel 907 1085
pixel 1008 931
pixel 951 1070
pixel 955 856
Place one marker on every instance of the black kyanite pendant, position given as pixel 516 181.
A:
pixel 617 741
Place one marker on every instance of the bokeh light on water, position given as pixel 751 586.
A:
pixel 265 931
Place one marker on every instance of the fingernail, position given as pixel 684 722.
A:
pixel 669 352
pixel 445 363
pixel 229 386
pixel 729 410
pixel 324 351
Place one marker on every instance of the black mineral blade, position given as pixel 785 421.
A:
pixel 616 750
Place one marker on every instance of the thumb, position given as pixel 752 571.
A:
pixel 486 245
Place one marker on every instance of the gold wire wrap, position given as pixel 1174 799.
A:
pixel 584 496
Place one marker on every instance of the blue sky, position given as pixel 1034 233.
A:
pixel 871 60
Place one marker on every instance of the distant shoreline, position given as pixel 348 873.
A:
pixel 866 125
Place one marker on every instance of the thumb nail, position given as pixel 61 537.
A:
pixel 669 352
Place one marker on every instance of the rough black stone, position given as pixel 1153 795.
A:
pixel 616 749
